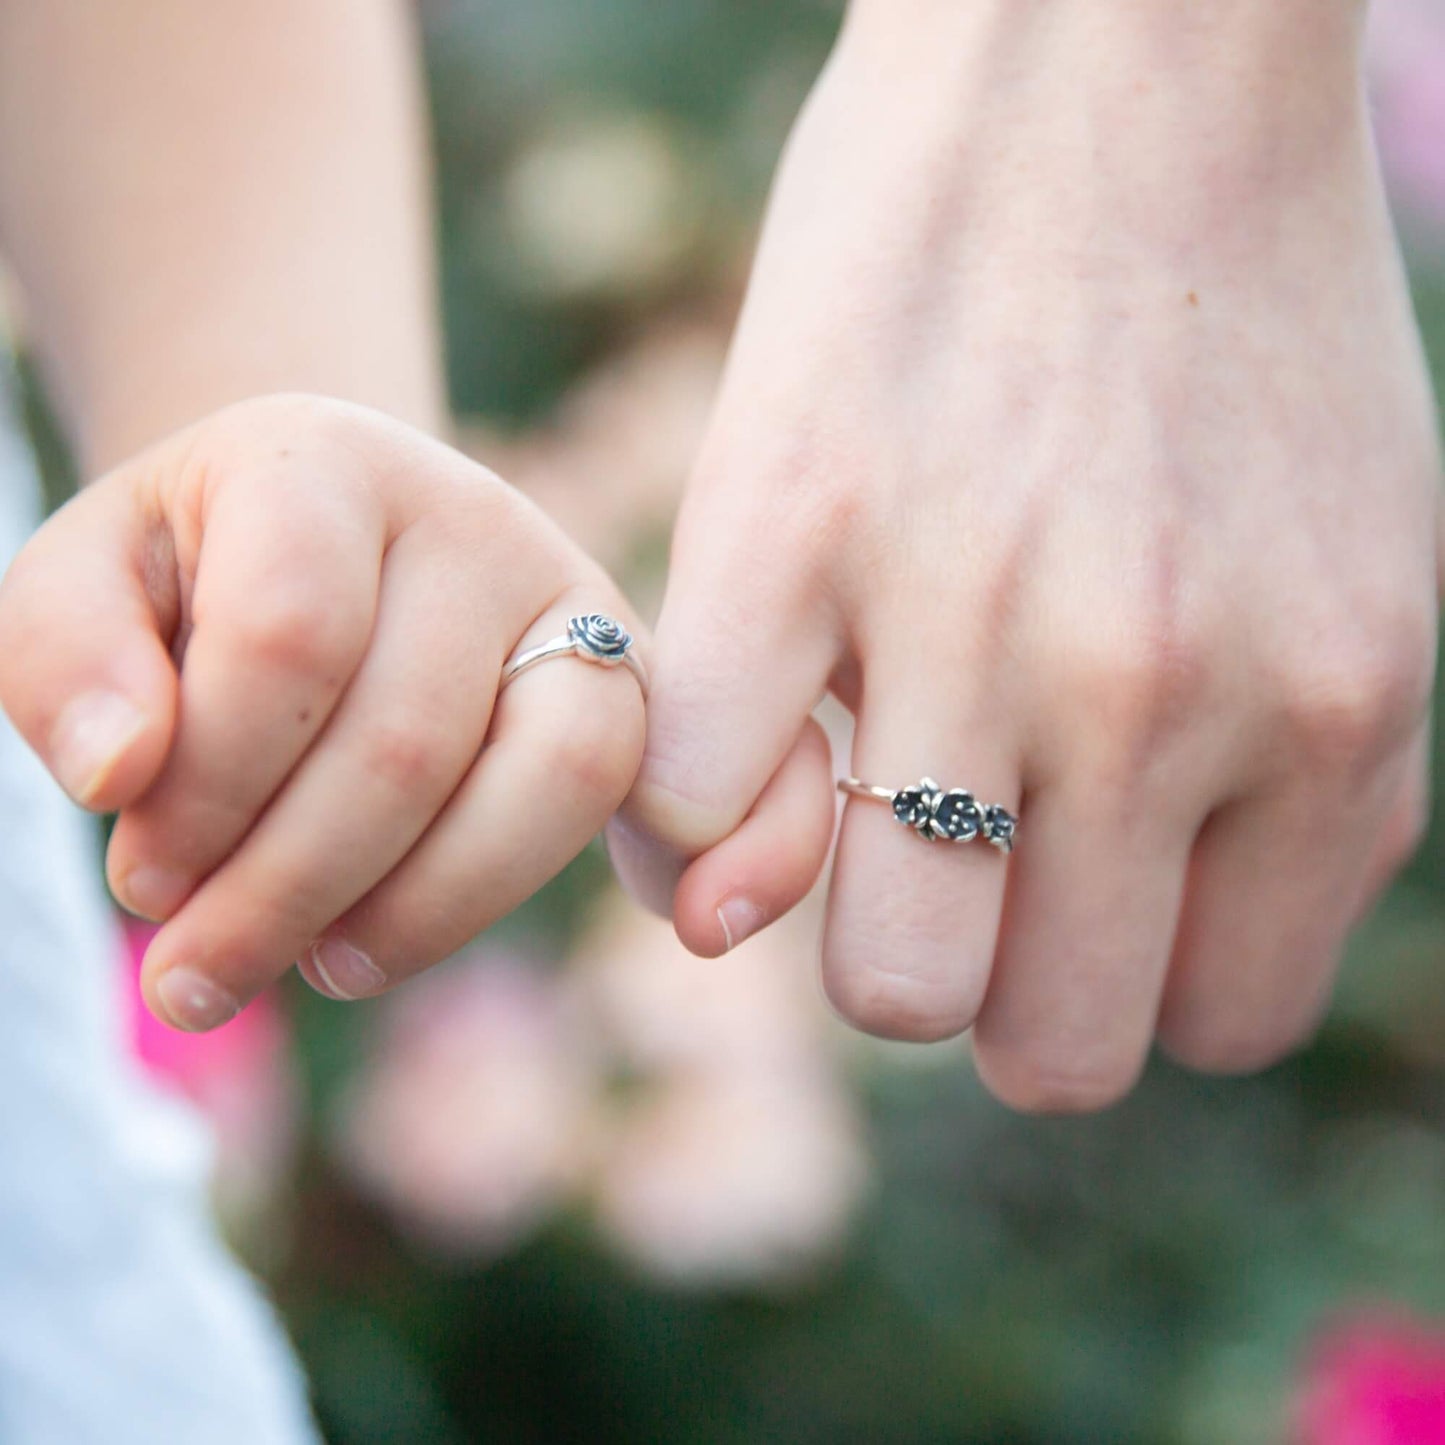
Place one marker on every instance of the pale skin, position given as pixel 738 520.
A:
pixel 1076 435
pixel 271 639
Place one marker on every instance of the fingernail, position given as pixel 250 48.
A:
pixel 193 1002
pixel 740 919
pixel 153 893
pixel 90 736
pixel 346 971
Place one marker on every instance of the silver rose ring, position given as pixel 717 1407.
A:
pixel 954 816
pixel 594 638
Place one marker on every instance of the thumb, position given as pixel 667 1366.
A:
pixel 86 612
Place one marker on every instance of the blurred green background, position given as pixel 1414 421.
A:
pixel 857 1244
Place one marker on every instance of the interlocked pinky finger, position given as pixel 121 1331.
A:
pixel 565 745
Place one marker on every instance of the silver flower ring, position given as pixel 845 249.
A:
pixel 954 816
pixel 594 638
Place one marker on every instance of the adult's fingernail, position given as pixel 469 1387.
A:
pixel 740 918
pixel 194 1002
pixel 89 738
pixel 345 970
pixel 153 893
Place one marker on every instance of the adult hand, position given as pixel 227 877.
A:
pixel 1076 435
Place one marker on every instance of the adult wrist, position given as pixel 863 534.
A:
pixel 1146 120
pixel 1297 28
pixel 1236 65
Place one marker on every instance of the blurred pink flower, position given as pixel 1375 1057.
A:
pixel 731 1155
pixel 739 1159
pixel 239 1076
pixel 1377 1380
pixel 474 1118
pixel 1408 65
pixel 664 1008
pixel 732 1177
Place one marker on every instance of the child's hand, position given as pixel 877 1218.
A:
pixel 273 643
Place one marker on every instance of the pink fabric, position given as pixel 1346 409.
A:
pixel 239 1076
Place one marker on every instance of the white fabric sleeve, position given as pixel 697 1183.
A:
pixel 123 1320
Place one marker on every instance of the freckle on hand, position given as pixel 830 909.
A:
pixel 1193 298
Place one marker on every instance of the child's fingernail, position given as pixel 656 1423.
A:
pixel 193 1002
pixel 740 919
pixel 153 893
pixel 346 972
pixel 90 736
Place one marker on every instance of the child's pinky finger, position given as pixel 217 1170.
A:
pixel 564 748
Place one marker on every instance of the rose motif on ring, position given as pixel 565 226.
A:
pixel 603 639
pixel 954 816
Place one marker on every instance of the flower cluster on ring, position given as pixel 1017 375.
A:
pixel 998 827
pixel 601 637
pixel 954 816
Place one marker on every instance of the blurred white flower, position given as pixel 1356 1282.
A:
pixel 476 1115
pixel 732 1156
pixel 729 1177
pixel 738 1160
pixel 601 206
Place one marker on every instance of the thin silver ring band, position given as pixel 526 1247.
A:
pixel 865 790
pixel 941 815
pixel 595 638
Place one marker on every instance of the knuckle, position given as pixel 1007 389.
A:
pixel 681 794
pixel 413 757
pixel 1359 697
pixel 838 511
pixel 295 630
pixel 597 756
pixel 468 519
pixel 811 497
pixel 1033 1084
pixel 284 420
pixel 297 413
pixel 809 463
pixel 1140 686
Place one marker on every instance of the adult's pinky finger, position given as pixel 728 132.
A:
pixel 564 747
pixel 758 873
